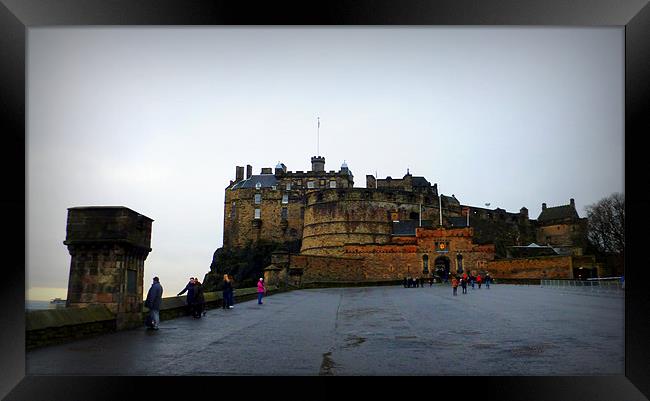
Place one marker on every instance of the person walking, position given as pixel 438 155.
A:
pixel 227 288
pixel 261 290
pixel 154 298
pixel 463 284
pixel 479 280
pixel 472 280
pixel 454 285
pixel 199 299
pixel 405 282
pixel 430 281
pixel 190 296
pixel 487 280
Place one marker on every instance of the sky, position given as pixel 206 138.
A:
pixel 157 118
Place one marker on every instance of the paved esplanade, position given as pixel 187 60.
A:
pixel 506 330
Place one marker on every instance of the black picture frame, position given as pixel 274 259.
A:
pixel 16 16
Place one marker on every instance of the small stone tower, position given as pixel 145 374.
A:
pixel 108 245
pixel 317 163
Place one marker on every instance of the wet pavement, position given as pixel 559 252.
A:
pixel 504 330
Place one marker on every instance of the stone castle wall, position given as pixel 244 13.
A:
pixel 241 227
pixel 547 267
pixel 561 234
pixel 336 217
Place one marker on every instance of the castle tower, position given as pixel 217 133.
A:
pixel 108 245
pixel 318 163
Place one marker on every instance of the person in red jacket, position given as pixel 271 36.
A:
pixel 479 280
pixel 261 290
pixel 454 284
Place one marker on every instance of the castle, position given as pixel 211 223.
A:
pixel 333 231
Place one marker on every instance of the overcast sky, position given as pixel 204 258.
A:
pixel 156 119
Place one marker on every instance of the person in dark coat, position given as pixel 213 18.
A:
pixel 154 298
pixel 463 284
pixel 199 299
pixel 405 282
pixel 487 280
pixel 190 295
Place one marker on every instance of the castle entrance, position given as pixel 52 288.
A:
pixel 442 267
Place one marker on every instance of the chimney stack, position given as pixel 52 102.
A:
pixel 543 206
pixel 572 202
pixel 239 173
pixel 249 171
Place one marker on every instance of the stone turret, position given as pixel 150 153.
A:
pixel 108 245
pixel 317 163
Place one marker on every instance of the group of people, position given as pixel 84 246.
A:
pixel 195 298
pixel 465 279
pixel 415 282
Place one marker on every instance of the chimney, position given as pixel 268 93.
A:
pixel 239 173
pixel 572 202
pixel 523 212
pixel 266 170
pixel 371 181
pixel 317 163
pixel 249 171
pixel 543 206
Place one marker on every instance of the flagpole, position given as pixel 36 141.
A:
pixel 318 137
pixel 420 214
pixel 440 204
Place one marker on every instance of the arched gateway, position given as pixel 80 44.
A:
pixel 442 267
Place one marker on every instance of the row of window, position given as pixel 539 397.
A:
pixel 284 213
pixel 310 185
pixel 258 199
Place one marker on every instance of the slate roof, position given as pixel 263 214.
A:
pixel 407 227
pixel 558 213
pixel 267 181
pixel 460 221
pixel 450 199
pixel 420 182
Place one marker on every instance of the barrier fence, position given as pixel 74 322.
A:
pixel 612 285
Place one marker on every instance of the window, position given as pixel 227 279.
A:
pixel 233 208
pixel 284 214
pixel 322 183
pixel 310 184
pixel 131 281
pixel 258 199
pixel 288 186
pixel 258 185
pixel 425 264
pixel 258 214
pixel 332 184
pixel 285 198
pixel 274 187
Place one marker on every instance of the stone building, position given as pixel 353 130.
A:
pixel 271 206
pixel 562 228
pixel 392 227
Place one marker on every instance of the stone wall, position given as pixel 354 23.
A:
pixel 328 268
pixel 562 234
pixel 53 326
pixel 56 326
pixel 547 267
pixel 241 226
pixel 334 218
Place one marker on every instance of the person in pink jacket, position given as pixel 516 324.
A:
pixel 261 290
